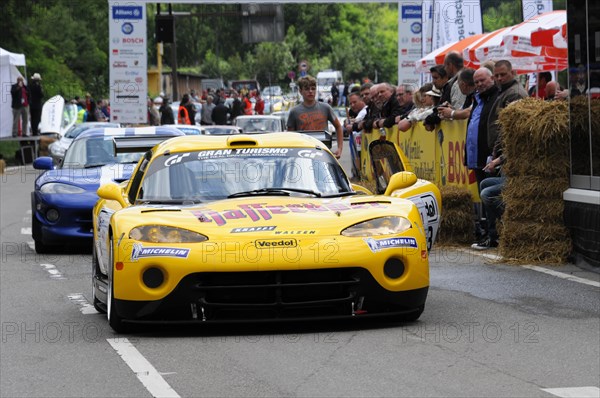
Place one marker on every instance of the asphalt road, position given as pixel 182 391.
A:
pixel 488 330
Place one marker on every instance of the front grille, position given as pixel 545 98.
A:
pixel 275 294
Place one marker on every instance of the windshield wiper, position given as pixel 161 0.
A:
pixel 274 191
pixel 340 194
pixel 90 165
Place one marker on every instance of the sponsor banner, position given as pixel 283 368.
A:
pixel 128 62
pixel 434 156
pixel 454 20
pixel 410 28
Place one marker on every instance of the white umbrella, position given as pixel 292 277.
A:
pixel 518 40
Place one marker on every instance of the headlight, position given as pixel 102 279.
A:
pixel 57 187
pixel 164 234
pixel 379 226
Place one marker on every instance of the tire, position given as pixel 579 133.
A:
pixel 98 305
pixel 41 248
pixel 114 320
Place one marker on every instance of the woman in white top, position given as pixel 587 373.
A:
pixel 430 97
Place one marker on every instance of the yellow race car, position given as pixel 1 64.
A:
pixel 257 227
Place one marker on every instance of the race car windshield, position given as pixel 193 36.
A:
pixel 95 152
pixel 219 174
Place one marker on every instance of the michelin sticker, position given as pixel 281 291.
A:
pixel 139 251
pixel 377 245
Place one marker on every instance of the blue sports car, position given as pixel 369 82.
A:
pixel 63 196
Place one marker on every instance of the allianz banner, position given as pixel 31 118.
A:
pixel 409 42
pixel 454 20
pixel 437 156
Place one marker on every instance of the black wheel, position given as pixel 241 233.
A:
pixel 114 320
pixel 41 248
pixel 98 305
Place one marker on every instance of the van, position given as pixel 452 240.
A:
pixel 325 80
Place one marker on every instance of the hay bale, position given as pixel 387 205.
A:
pixel 535 138
pixel 525 241
pixel 456 225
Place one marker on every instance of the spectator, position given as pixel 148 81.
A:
pixel 166 113
pixel 427 98
pixel 404 95
pixel 90 106
pixel 236 106
pixel 183 113
pixel 453 64
pixel 360 109
pixel 365 95
pixel 335 94
pixel 539 90
pixel 510 90
pixel 467 87
pixel 311 115
pixel 247 104
pixel 390 108
pixel 259 106
pixel 476 144
pixel 82 112
pixel 207 109
pixel 220 114
pixel 439 78
pixel 20 106
pixel 36 102
pixel 153 115
pixel 100 114
pixel 374 111
pixel 106 109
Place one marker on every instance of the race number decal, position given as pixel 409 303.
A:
pixel 430 215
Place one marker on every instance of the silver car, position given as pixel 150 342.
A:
pixel 58 148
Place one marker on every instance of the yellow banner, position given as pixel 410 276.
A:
pixel 437 156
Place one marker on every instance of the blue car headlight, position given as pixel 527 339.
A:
pixel 391 225
pixel 165 234
pixel 57 187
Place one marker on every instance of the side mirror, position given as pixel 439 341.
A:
pixel 43 163
pixel 112 191
pixel 400 180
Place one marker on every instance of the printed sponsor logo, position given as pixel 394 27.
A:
pixel 115 51
pixel 127 12
pixel 407 64
pixel 119 64
pixel 415 27
pixel 411 12
pixel 133 40
pixel 266 244
pixel 252 229
pixel 127 28
pixel 132 73
pixel 260 211
pixel 390 243
pixel 139 251
pixel 298 232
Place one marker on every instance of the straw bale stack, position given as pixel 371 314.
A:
pixel 535 137
pixel 456 226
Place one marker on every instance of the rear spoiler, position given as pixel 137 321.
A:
pixel 132 144
pixel 323 136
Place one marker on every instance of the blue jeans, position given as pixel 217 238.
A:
pixel 490 194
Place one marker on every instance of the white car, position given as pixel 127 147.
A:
pixel 260 123
pixel 206 129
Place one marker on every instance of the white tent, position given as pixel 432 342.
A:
pixel 8 76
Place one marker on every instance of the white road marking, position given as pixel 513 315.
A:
pixel 574 392
pixel 51 269
pixel 562 275
pixel 26 231
pixel 31 245
pixel 85 307
pixel 145 372
pixel 537 268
